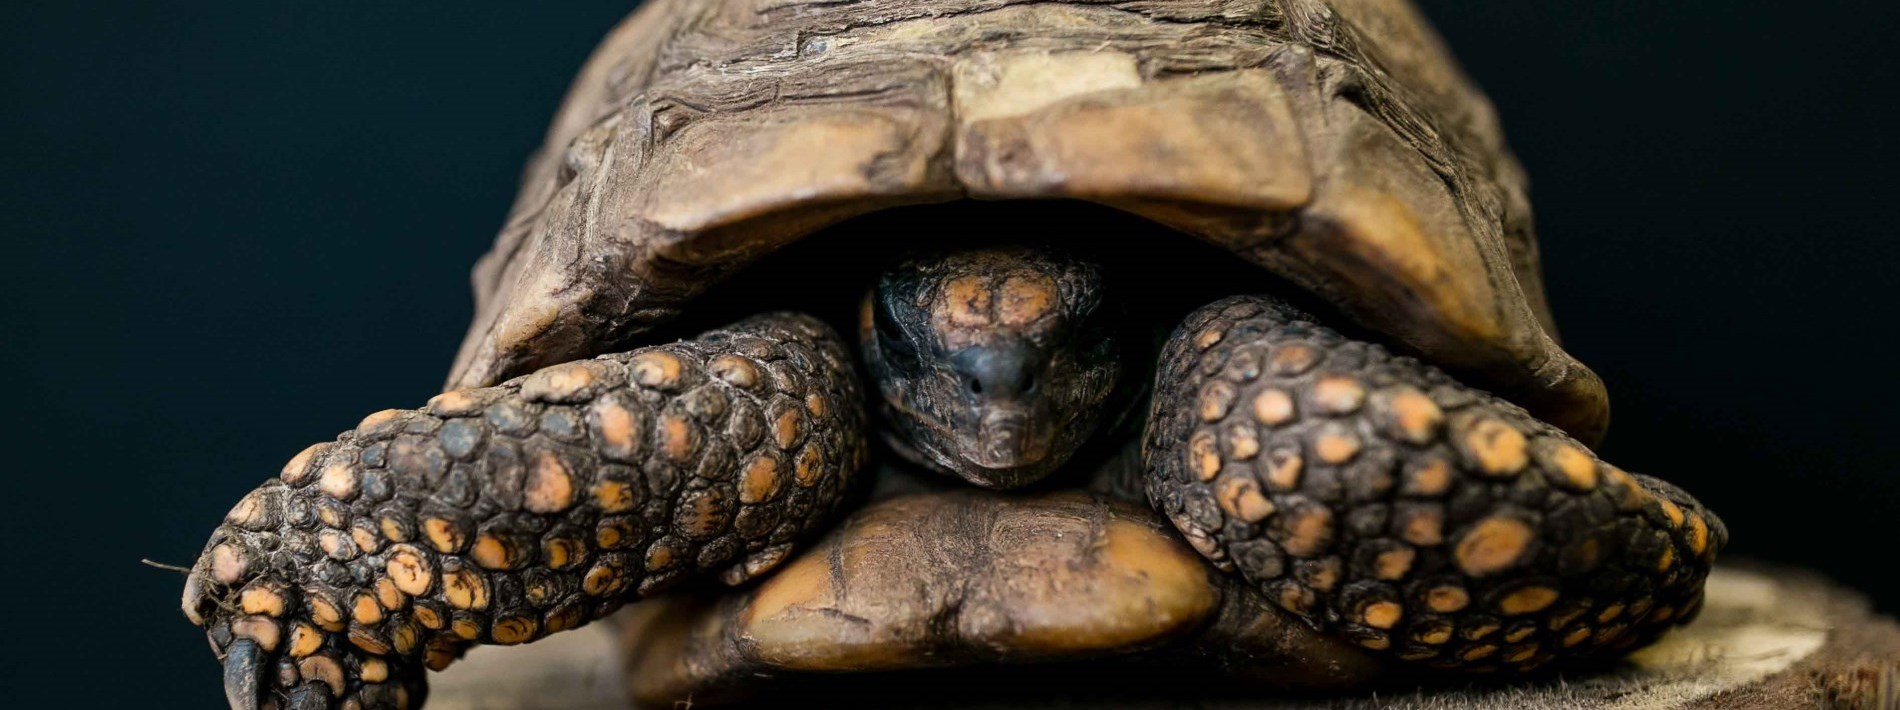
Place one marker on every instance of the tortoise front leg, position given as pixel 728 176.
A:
pixel 1384 502
pixel 504 514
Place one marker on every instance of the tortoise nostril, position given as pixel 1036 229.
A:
pixel 993 371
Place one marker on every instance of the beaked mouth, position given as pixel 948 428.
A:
pixel 975 465
pixel 1004 440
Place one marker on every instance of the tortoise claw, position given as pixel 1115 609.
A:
pixel 259 679
pixel 243 675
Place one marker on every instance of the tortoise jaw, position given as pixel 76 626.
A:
pixel 990 467
pixel 1006 439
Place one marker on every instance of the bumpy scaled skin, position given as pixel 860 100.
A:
pixel 991 364
pixel 504 514
pixel 1377 498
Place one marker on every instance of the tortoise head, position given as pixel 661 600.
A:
pixel 991 364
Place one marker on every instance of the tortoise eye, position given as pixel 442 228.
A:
pixel 891 338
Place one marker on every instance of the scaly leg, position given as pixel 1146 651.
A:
pixel 1382 501
pixel 504 514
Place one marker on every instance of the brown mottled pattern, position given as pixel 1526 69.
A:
pixel 1332 142
pixel 1376 497
pixel 504 514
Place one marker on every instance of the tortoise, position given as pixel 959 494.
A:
pixel 1164 313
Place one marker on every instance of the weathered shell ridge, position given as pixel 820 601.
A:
pixel 1334 143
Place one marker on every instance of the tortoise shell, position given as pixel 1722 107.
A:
pixel 1333 142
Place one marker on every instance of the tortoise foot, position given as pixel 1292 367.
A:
pixel 1379 499
pixel 504 514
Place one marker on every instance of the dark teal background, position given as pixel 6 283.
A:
pixel 233 228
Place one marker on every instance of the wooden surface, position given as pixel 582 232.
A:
pixel 1766 639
